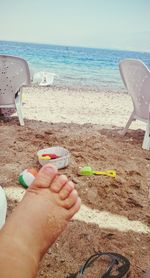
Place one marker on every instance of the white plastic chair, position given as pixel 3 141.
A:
pixel 136 78
pixel 14 74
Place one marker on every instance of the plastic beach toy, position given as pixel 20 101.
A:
pixel 27 177
pixel 56 155
pixel 88 171
pixel 48 156
pixel 51 155
pixel 44 157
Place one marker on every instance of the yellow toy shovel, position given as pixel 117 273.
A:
pixel 87 171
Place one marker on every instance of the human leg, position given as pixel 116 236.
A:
pixel 35 224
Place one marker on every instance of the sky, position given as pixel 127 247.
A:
pixel 116 24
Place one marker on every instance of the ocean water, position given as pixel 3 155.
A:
pixel 75 67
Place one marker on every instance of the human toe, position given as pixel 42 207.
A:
pixel 70 200
pixel 74 209
pixel 45 177
pixel 58 183
pixel 66 190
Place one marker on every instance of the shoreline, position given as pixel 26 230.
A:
pixel 92 89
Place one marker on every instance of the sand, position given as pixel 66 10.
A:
pixel 115 212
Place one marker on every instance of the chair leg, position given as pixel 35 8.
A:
pixel 124 131
pixel 146 140
pixel 18 104
pixel 20 116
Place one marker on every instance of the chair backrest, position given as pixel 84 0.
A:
pixel 136 78
pixel 14 72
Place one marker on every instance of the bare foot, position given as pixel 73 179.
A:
pixel 49 203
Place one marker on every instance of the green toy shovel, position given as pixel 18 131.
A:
pixel 88 171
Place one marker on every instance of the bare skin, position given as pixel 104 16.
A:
pixel 42 215
pixel 147 275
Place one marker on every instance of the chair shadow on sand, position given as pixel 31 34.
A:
pixel 7 113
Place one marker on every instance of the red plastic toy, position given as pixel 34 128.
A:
pixel 51 155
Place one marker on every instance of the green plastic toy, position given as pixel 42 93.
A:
pixel 88 171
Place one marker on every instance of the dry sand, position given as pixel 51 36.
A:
pixel 115 213
pixel 66 106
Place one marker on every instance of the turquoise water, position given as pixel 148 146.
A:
pixel 76 67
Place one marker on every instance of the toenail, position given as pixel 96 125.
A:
pixel 49 169
pixel 63 178
pixel 71 184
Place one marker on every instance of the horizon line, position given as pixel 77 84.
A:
pixel 77 46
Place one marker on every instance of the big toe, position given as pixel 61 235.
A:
pixel 44 177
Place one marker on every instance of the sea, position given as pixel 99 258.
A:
pixel 77 68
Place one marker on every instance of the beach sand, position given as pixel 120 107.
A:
pixel 115 213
